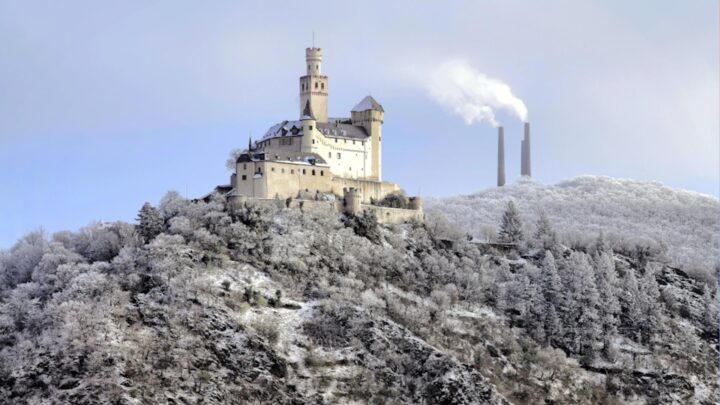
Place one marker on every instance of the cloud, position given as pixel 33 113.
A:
pixel 474 96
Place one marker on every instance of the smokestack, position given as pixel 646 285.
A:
pixel 501 158
pixel 525 162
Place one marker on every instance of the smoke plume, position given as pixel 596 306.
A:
pixel 472 95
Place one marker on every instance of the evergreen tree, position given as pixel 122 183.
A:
pixel 709 313
pixel 629 301
pixel 535 308
pixel 582 301
pixel 545 236
pixel 649 304
pixel 552 299
pixel 511 227
pixel 150 224
pixel 607 285
pixel 601 244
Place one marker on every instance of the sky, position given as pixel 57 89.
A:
pixel 106 105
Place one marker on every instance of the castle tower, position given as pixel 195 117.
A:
pixel 368 113
pixel 501 157
pixel 314 86
pixel 525 169
pixel 308 123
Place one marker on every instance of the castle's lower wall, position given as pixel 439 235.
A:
pixel 387 215
pixel 368 188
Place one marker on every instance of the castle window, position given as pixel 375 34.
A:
pixel 311 129
pixel 335 140
pixel 316 85
pixel 322 173
pixel 345 140
pixel 282 170
pixel 338 155
pixel 272 169
pixel 313 141
pixel 244 177
pixel 292 171
pixel 308 67
pixel 329 154
pixel 276 156
pixel 354 143
pixel 322 86
pixel 244 166
pixel 313 172
pixel 303 171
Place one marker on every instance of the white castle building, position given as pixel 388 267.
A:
pixel 317 157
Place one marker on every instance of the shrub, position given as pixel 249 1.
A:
pixel 268 328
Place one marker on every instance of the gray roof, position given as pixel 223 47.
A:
pixel 368 103
pixel 334 129
pixel 286 156
pixel 337 130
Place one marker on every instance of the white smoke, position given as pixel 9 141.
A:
pixel 472 95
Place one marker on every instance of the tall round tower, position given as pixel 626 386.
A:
pixel 314 86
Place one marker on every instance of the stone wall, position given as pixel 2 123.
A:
pixel 387 215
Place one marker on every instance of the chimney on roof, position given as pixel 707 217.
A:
pixel 501 158
pixel 525 166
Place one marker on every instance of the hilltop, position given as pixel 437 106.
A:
pixel 683 223
pixel 201 302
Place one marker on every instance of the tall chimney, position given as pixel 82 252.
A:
pixel 525 162
pixel 528 161
pixel 501 158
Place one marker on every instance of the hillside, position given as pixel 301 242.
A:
pixel 204 303
pixel 683 223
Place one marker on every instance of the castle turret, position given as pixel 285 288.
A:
pixel 369 114
pixel 415 203
pixel 314 86
pixel 309 123
pixel 352 201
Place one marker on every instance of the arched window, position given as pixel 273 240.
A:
pixel 313 172
pixel 316 85
pixel 322 86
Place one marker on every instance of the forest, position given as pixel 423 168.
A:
pixel 201 302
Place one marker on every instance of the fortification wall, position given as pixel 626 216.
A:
pixel 387 215
pixel 368 188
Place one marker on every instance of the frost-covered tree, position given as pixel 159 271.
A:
pixel 649 304
pixel 150 224
pixel 510 226
pixel 709 313
pixel 553 299
pixel 19 264
pixel 630 304
pixel 545 236
pixel 581 317
pixel 607 285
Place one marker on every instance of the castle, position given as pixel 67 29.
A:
pixel 317 159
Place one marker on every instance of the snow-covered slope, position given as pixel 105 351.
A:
pixel 625 210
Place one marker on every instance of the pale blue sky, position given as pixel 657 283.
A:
pixel 106 105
